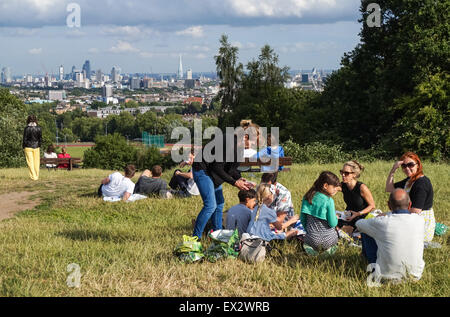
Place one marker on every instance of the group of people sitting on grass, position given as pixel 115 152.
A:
pixel 394 240
pixel 117 187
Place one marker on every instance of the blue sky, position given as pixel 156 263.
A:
pixel 145 36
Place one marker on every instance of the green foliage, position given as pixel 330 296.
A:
pixel 146 158
pixel 411 44
pixel 13 118
pixel 110 152
pixel 230 73
pixel 425 124
pixel 315 152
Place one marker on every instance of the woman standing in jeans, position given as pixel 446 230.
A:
pixel 209 178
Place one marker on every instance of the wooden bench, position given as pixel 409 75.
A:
pixel 66 160
pixel 282 161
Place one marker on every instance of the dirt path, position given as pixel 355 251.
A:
pixel 12 203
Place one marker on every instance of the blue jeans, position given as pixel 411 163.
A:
pixel 213 203
pixel 369 248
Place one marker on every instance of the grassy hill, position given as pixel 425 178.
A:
pixel 125 249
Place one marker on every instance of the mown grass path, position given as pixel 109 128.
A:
pixel 125 249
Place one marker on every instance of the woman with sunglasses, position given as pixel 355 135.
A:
pixel 357 195
pixel 419 188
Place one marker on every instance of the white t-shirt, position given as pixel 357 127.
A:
pixel 399 238
pixel 117 186
pixel 51 155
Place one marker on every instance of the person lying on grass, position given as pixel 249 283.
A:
pixel 318 215
pixel 150 183
pixel 117 186
pixel 263 217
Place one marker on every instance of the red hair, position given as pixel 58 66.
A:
pixel 415 158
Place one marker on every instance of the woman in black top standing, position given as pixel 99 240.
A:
pixel 357 195
pixel 419 188
pixel 209 177
pixel 32 139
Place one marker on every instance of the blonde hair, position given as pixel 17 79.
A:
pixel 356 167
pixel 245 123
pixel 262 192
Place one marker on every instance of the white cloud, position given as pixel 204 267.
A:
pixel 193 31
pixel 198 48
pixel 93 50
pixel 130 32
pixel 35 51
pixel 302 47
pixel 123 47
pixel 166 14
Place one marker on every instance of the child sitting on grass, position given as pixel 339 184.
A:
pixel 263 217
pixel 318 215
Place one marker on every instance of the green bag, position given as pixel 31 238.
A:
pixel 440 229
pixel 225 244
pixel 190 250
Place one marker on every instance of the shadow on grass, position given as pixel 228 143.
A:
pixel 98 235
pixel 350 263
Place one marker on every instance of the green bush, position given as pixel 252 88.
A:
pixel 146 158
pixel 315 152
pixel 13 118
pixel 110 152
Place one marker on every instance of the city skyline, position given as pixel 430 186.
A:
pixel 305 34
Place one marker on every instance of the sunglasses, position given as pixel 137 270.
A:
pixel 345 173
pixel 410 165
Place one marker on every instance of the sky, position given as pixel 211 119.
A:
pixel 147 36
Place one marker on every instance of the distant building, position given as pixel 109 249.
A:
pixel 6 75
pixel 192 100
pixel 87 69
pixel 115 74
pixel 59 95
pixel 305 78
pixel 189 74
pixel 61 73
pixel 147 82
pixel 98 75
pixel 135 83
pixel 107 94
pixel 180 70
pixel 189 84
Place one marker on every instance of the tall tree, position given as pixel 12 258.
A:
pixel 230 74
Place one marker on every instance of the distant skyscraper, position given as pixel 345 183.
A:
pixel 189 74
pixel 180 70
pixel 6 75
pixel 98 75
pixel 87 69
pixel 61 73
pixel 115 74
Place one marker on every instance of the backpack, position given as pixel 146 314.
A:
pixel 253 250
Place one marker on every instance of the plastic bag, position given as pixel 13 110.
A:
pixel 440 229
pixel 225 244
pixel 190 250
